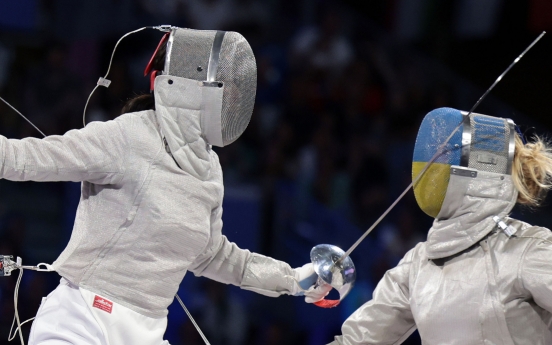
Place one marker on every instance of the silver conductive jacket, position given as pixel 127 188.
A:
pixel 143 220
pixel 469 283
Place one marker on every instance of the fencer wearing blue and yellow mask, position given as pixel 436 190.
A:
pixel 472 172
pixel 481 277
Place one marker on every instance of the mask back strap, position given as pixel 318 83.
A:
pixel 521 136
pixel 149 66
pixel 153 74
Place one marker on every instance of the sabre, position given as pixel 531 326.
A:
pixel 353 247
pixel 23 116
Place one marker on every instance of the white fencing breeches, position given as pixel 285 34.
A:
pixel 70 315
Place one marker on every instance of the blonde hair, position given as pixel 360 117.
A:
pixel 532 171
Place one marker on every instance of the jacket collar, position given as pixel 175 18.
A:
pixel 466 215
pixel 178 108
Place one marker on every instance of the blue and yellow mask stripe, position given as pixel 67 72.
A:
pixel 431 188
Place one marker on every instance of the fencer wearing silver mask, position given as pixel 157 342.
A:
pixel 481 277
pixel 151 201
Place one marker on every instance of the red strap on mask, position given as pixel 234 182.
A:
pixel 149 66
pixel 152 79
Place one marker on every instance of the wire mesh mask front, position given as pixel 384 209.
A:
pixel 490 144
pixel 188 55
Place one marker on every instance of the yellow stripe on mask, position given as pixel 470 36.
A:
pixel 431 188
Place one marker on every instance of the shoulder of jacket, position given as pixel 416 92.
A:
pixel 536 233
pixel 216 168
pixel 144 115
pixel 527 230
pixel 141 120
pixel 415 254
pixel 215 157
pixel 420 249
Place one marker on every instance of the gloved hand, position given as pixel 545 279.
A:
pixel 306 278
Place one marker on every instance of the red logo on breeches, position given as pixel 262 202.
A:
pixel 103 304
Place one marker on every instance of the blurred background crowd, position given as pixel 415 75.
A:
pixel 342 88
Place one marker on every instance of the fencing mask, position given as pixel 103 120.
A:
pixel 482 143
pixel 224 65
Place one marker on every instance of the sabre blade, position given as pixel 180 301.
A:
pixel 353 247
pixel 192 320
pixel 26 119
pixel 506 71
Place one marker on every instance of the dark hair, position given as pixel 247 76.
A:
pixel 138 103
pixel 146 101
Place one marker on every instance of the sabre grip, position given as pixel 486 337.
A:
pixel 325 303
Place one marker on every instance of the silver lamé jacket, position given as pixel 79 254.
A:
pixel 146 216
pixel 469 283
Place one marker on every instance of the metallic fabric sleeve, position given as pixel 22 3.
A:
pixel 221 260
pixel 95 154
pixel 536 269
pixel 225 262
pixel 387 318
pixel 268 276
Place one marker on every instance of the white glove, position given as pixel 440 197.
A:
pixel 306 279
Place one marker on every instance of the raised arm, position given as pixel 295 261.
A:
pixel 387 318
pixel 96 153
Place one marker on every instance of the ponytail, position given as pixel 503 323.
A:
pixel 532 171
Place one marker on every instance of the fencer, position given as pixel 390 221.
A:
pixel 481 277
pixel 151 202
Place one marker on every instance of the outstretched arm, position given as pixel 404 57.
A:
pixel 387 318
pixel 225 262
pixel 95 153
